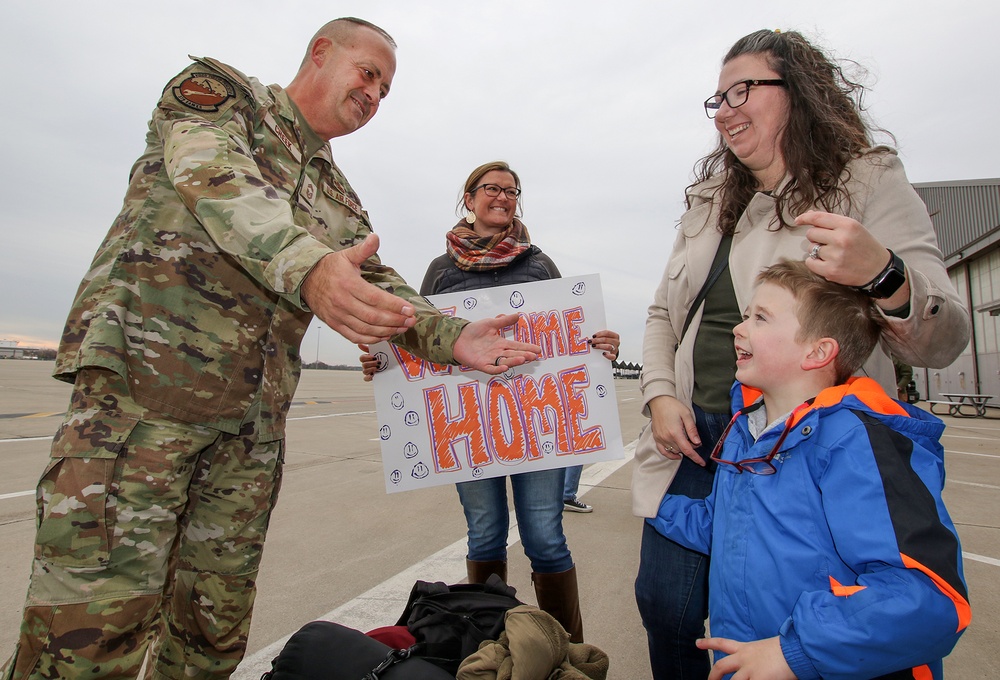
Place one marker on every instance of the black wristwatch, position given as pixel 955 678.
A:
pixel 888 281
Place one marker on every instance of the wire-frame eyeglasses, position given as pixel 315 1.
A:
pixel 736 95
pixel 493 190
pixel 761 465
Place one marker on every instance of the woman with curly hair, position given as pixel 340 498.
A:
pixel 795 175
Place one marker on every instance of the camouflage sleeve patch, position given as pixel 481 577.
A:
pixel 204 92
pixel 201 91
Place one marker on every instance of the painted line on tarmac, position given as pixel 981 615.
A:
pixel 19 416
pixel 35 439
pixel 970 426
pixel 326 415
pixel 384 602
pixel 334 415
pixel 985 486
pixel 970 453
pixel 979 558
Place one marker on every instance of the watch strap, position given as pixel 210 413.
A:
pixel 887 281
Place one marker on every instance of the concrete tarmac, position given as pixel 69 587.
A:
pixel 340 548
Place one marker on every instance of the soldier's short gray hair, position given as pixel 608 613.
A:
pixel 340 29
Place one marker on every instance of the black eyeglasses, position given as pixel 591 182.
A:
pixel 493 190
pixel 736 95
pixel 759 465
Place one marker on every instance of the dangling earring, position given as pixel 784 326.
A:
pixel 470 217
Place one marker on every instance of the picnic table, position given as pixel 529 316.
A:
pixel 977 402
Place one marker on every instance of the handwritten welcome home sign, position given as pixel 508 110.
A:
pixel 443 424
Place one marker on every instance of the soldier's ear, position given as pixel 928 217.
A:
pixel 320 51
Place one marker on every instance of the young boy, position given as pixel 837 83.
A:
pixel 833 555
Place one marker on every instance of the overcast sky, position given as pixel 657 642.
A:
pixel 597 105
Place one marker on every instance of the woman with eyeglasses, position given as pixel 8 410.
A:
pixel 490 247
pixel 795 175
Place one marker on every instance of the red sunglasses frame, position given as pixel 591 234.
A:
pixel 761 465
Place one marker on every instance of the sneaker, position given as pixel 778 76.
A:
pixel 576 505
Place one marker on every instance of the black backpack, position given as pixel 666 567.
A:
pixel 449 622
pixel 323 650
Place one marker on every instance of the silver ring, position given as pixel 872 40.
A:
pixel 497 362
pixel 814 253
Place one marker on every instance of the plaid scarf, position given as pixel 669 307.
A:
pixel 474 253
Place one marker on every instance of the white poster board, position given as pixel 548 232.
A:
pixel 443 424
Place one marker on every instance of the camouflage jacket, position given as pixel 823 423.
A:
pixel 194 295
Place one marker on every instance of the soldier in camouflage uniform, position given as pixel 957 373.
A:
pixel 183 347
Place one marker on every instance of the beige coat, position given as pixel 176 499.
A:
pixel 933 335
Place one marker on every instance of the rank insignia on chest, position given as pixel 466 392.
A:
pixel 204 92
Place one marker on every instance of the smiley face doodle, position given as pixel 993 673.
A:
pixel 548 447
pixel 579 288
pixel 395 476
pixel 516 300
pixel 411 418
pixel 384 432
pixel 397 401
pixel 383 361
pixel 602 391
pixel 470 303
pixel 410 450
pixel 477 472
pixel 420 471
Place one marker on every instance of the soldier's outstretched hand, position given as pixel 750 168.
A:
pixel 480 346
pixel 358 310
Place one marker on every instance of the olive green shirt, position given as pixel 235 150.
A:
pixel 714 353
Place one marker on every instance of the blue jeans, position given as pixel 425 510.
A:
pixel 671 589
pixel 538 506
pixel 572 484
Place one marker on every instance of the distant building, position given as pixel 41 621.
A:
pixel 966 218
pixel 10 349
pixel 625 369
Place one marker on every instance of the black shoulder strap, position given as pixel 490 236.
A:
pixel 713 276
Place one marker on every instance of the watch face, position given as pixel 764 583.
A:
pixel 889 284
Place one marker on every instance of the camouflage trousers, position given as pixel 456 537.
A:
pixel 150 533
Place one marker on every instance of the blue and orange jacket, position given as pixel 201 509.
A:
pixel 847 552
